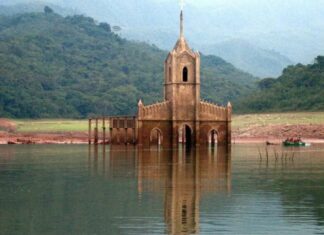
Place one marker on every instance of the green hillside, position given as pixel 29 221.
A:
pixel 51 66
pixel 299 88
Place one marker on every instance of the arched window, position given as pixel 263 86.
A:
pixel 170 74
pixel 156 138
pixel 185 74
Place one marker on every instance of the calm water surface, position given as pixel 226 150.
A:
pixel 74 190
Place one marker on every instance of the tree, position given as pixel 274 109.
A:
pixel 48 10
pixel 105 26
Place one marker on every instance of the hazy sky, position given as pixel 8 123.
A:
pixel 197 2
pixel 255 3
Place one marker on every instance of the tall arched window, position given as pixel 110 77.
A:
pixel 185 74
pixel 170 74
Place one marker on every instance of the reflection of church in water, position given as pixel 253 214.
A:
pixel 182 176
pixel 185 177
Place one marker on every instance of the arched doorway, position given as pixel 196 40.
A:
pixel 185 135
pixel 156 137
pixel 188 135
pixel 213 137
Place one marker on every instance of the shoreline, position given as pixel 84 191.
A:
pixel 246 129
pixel 272 140
pixel 43 138
pixel 82 138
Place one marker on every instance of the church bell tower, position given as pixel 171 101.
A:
pixel 182 83
pixel 182 89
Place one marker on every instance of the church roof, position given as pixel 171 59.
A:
pixel 182 45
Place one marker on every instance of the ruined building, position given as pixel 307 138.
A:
pixel 182 117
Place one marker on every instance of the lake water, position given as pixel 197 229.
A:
pixel 77 190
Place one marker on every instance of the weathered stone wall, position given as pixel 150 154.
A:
pixel 212 112
pixel 158 111
pixel 122 130
pixel 123 136
pixel 220 127
pixel 146 127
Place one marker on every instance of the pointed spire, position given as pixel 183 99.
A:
pixel 182 44
pixel 181 24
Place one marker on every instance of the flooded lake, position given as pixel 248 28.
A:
pixel 77 190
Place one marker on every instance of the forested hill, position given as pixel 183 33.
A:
pixel 51 66
pixel 299 88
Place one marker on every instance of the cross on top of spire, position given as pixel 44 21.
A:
pixel 182 4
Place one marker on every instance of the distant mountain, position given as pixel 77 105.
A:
pixel 51 66
pixel 243 55
pixel 299 88
pixel 13 9
pixel 276 31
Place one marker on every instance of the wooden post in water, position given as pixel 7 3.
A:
pixel 104 130
pixel 96 133
pixel 89 134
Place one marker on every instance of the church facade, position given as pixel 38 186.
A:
pixel 182 117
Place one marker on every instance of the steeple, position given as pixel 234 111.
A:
pixel 182 44
pixel 181 24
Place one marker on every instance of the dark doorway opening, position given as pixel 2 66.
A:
pixel 213 138
pixel 188 135
pixel 185 135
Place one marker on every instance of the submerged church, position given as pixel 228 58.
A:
pixel 182 118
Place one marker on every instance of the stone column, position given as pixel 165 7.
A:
pixel 134 131
pixel 126 130
pixel 96 132
pixel 104 130
pixel 89 130
pixel 110 131
pixel 175 137
pixel 139 124
pixel 229 123
pixel 197 134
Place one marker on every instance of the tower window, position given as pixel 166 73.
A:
pixel 170 74
pixel 185 74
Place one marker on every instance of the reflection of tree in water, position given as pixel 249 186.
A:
pixel 298 202
pixel 184 176
pixel 291 176
pixel 7 154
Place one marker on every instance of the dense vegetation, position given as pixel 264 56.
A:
pixel 299 88
pixel 54 66
pixel 139 17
